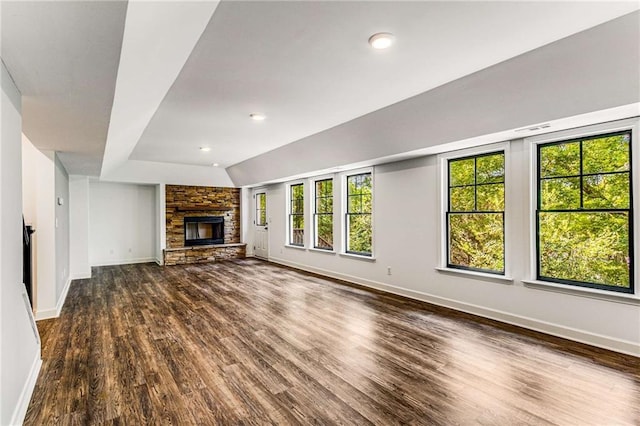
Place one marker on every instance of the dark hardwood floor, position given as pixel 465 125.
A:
pixel 248 342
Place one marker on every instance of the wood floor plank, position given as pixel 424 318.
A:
pixel 250 342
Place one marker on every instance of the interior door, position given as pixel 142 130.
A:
pixel 261 234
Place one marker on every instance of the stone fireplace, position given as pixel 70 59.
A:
pixel 203 224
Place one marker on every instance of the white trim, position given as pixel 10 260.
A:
pixel 159 261
pixel 531 144
pixel 288 186
pixel 125 261
pixel 319 250
pixel 54 312
pixel 27 391
pixel 295 247
pixel 312 211
pixel 81 276
pixel 501 278
pixel 63 297
pixel 46 314
pixel 358 256
pixel 443 184
pixel 344 175
pixel 593 339
pixel 594 293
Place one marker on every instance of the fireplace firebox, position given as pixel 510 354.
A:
pixel 203 230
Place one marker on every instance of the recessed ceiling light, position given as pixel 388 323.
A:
pixel 381 40
pixel 215 164
pixel 205 149
pixel 257 116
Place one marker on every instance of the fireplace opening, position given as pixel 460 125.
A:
pixel 203 230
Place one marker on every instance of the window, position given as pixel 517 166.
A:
pixel 358 215
pixel 475 213
pixel 261 209
pixel 296 215
pixel 323 215
pixel 584 214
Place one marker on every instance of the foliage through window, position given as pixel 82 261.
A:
pixel 296 214
pixel 323 214
pixel 475 214
pixel 584 215
pixel 358 216
pixel 261 209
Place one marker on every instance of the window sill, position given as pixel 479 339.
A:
pixel 501 278
pixel 630 299
pixel 359 256
pixel 295 247
pixel 319 250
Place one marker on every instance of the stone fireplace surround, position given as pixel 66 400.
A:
pixel 200 201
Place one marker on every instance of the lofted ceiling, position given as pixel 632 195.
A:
pixel 117 87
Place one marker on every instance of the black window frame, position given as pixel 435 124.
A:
pixel 316 215
pixel 292 203
pixel 348 213
pixel 258 209
pixel 581 175
pixel 475 185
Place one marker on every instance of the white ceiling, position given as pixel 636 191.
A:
pixel 306 64
pixel 64 59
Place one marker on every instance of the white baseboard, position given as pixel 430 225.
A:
pixel 54 312
pixel 593 339
pixel 159 261
pixel 63 297
pixel 124 261
pixel 81 275
pixel 46 314
pixel 27 390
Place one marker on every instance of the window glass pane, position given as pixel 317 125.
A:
pixel 298 222
pixel 359 229
pixel 461 172
pixel 366 201
pixel 297 230
pixel 324 205
pixel 354 204
pixel 560 194
pixel 476 240
pixel 490 168
pixel 591 247
pixel 324 231
pixel 560 159
pixel 462 199
pixel 328 188
pixel 606 191
pixel 490 197
pixel 606 154
pixel 261 212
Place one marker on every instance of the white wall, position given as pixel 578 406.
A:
pixel 19 341
pixel 61 206
pixel 44 179
pixel 407 239
pixel 122 223
pixel 79 266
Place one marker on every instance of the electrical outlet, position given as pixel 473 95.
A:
pixel 388 270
